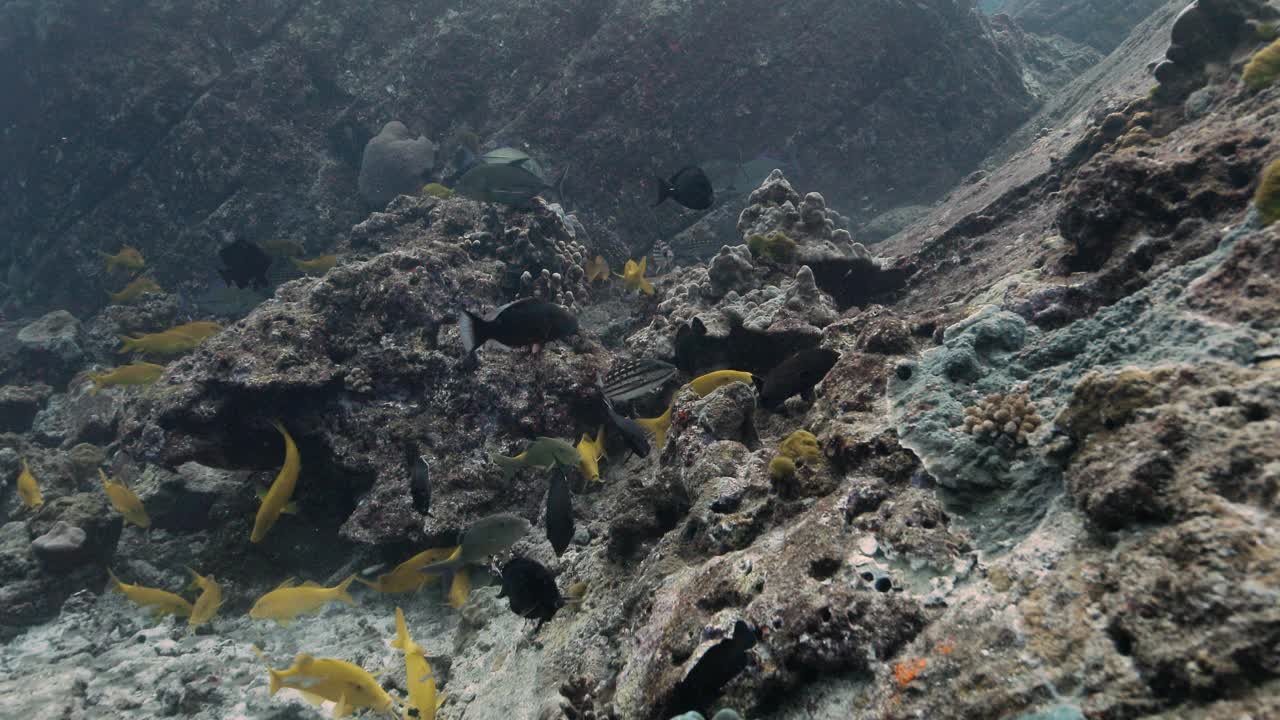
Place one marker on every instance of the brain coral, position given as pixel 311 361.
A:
pixel 394 164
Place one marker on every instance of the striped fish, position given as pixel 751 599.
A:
pixel 631 379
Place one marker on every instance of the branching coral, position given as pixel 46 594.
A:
pixel 1011 415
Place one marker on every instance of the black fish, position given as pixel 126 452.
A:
pixel 717 666
pixel 522 323
pixel 797 375
pixel 420 485
pixel 689 187
pixel 633 435
pixel 633 379
pixel 559 516
pixel 246 264
pixel 530 589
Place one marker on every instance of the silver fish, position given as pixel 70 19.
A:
pixel 633 379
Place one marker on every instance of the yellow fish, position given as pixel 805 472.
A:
pixel 322 264
pixel 288 601
pixel 408 575
pixel 633 276
pixel 207 604
pixel 128 258
pixel 198 330
pixel 460 588
pixel 162 602
pixel 125 502
pixel 318 679
pixel 161 343
pixel 597 269
pixel 658 426
pixel 134 290
pixel 139 373
pixel 704 385
pixel 281 491
pixel 589 454
pixel 282 248
pixel 417 671
pixel 29 489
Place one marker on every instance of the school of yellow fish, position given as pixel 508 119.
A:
pixel 318 680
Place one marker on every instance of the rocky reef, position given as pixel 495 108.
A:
pixel 1037 479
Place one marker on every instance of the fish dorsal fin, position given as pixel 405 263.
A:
pixel 511 304
pixel 288 583
pixel 311 584
pixel 517 162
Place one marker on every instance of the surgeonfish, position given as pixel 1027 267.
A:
pixel 559 514
pixel 597 269
pixel 29 489
pixel 161 602
pixel 407 576
pixel 704 385
pixel 125 501
pixel 138 373
pixel 348 685
pixel 487 536
pixel 506 175
pixel 319 265
pixel 530 589
pixel 797 375
pixel 281 492
pixel 460 588
pixel 690 187
pixel 207 604
pixel 589 454
pixel 658 426
pixel 128 258
pixel 134 290
pixel 542 453
pixel 246 264
pixel 632 379
pixel 288 601
pixel 418 676
pixel 633 276
pixel 523 323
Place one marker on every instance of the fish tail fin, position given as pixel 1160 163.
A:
pixel 600 439
pixel 472 327
pixel 129 345
pixel 664 190
pixel 509 465
pixel 402 632
pixel 276 683
pixel 341 592
pixel 372 585
pixel 646 287
pixel 119 585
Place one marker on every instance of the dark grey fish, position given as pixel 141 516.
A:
pixel 559 516
pixel 633 379
pixel 420 485
pixel 632 434
pixel 689 187
pixel 246 264
pixel 507 176
pixel 525 322
pixel 797 375
pixel 530 589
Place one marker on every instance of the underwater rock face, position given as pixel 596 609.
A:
pixel 256 131
pixel 61 548
pixel 1100 25
pixel 50 348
